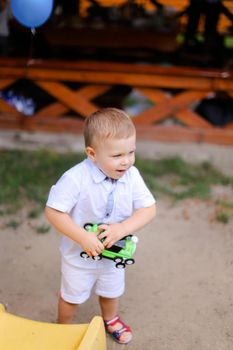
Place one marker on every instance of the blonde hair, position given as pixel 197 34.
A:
pixel 107 123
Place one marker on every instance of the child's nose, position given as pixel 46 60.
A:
pixel 125 160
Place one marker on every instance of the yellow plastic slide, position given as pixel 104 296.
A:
pixel 23 334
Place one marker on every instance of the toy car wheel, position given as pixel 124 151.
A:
pixel 87 226
pixel 120 265
pixel 97 257
pixel 84 255
pixel 118 260
pixel 129 261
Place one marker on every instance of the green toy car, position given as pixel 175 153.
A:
pixel 121 252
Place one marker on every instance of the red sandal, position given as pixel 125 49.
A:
pixel 116 335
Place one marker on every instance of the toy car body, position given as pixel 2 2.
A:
pixel 121 252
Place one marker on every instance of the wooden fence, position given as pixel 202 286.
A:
pixel 75 90
pixel 179 5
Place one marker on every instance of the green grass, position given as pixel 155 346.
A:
pixel 179 180
pixel 223 217
pixel 224 211
pixel 42 229
pixel 13 224
pixel 28 176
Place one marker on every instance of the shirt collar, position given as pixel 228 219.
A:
pixel 97 174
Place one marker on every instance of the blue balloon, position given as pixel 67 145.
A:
pixel 31 13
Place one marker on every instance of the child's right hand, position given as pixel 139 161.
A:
pixel 91 244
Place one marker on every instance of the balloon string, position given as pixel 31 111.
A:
pixel 31 47
pixel 33 31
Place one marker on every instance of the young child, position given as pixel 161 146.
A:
pixel 104 188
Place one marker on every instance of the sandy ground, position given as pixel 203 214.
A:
pixel 179 294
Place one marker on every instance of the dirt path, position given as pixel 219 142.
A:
pixel 179 293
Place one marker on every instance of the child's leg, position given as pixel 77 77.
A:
pixel 113 324
pixel 66 311
pixel 109 307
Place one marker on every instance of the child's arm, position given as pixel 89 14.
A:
pixel 64 224
pixel 114 232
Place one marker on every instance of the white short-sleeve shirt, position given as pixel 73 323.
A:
pixel 83 191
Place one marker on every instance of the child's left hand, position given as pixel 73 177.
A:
pixel 111 234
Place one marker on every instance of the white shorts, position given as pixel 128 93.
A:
pixel 77 282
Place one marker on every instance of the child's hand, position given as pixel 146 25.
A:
pixel 111 234
pixel 91 244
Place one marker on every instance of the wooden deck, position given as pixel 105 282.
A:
pixel 173 92
pixel 112 37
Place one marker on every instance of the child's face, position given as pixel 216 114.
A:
pixel 114 156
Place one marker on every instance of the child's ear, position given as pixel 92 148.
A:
pixel 90 152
